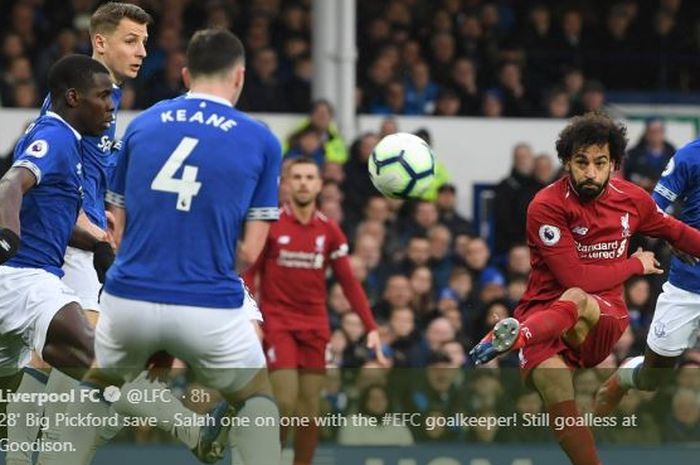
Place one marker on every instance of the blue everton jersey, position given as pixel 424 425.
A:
pixel 99 160
pixel 50 149
pixel 190 172
pixel 681 181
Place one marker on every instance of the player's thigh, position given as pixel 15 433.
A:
pixel 674 327
pixel 220 345
pixel 281 349
pixel 311 346
pixel 589 314
pixel 554 380
pixel 128 332
pixel 29 300
pixel 80 275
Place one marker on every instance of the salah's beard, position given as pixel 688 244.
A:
pixel 587 195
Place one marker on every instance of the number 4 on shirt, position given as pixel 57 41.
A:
pixel 186 187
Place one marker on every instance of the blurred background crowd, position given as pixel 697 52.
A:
pixel 434 284
pixel 445 57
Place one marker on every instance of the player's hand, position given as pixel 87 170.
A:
pixel 103 256
pixel 374 342
pixel 649 261
pixel 684 257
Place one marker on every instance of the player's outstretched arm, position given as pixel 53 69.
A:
pixel 16 182
pixel 254 238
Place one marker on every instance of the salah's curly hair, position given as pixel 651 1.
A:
pixel 592 129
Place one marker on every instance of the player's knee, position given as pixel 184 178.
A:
pixel 578 296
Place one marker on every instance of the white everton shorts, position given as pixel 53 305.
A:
pixel 219 345
pixel 29 299
pixel 676 322
pixel 80 275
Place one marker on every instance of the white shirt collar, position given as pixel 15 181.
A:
pixel 58 117
pixel 210 97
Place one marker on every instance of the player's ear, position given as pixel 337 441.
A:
pixel 72 97
pixel 98 43
pixel 186 77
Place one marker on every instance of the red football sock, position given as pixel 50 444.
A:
pixel 305 440
pixel 549 324
pixel 577 441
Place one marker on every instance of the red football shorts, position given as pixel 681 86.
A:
pixel 303 349
pixel 613 321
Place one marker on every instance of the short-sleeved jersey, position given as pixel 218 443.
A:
pixel 681 181
pixel 99 160
pixel 292 269
pixel 190 172
pixel 50 149
pixel 565 233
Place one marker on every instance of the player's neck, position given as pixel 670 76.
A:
pixel 211 87
pixel 303 213
pixel 112 77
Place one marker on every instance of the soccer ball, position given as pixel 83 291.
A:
pixel 402 165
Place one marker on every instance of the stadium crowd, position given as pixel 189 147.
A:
pixel 448 57
pixel 436 287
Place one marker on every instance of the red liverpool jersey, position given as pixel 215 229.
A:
pixel 584 244
pixel 292 271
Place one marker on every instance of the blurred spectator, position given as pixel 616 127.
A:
pixel 167 83
pixel 393 102
pixel 617 51
pixel 513 194
pixel 557 103
pixel 544 170
pixel 446 203
pixel 516 101
pixel 683 424
pixel 263 91
pixel 397 294
pixel 421 279
pixel 374 402
pixel 306 143
pixel 592 97
pixel 298 87
pixel 420 91
pixel 441 260
pixel 492 104
pixel 402 323
pixel 357 185
pixel 646 160
pixel 528 405
pixel 448 103
pixel 464 82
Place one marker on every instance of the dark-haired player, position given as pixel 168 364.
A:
pixel 193 173
pixel 301 246
pixel 578 230
pixel 40 197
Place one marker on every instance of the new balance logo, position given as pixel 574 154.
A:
pixel 5 245
pixel 580 230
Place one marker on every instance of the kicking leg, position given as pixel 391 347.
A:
pixel 573 315
pixel 554 380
